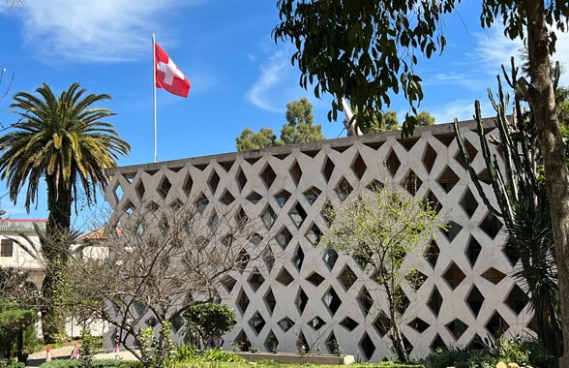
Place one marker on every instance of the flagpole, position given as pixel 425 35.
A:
pixel 154 92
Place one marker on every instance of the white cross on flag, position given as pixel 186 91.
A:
pixel 168 76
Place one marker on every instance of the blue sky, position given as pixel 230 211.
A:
pixel 240 77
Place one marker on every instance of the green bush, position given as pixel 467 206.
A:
pixel 5 363
pixel 218 355
pixel 101 363
pixel 454 357
pixel 208 320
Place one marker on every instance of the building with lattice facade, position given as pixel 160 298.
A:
pixel 298 292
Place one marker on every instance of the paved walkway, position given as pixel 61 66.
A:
pixel 38 358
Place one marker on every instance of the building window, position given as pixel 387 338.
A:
pixel 6 248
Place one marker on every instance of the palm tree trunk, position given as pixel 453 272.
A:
pixel 541 95
pixel 55 247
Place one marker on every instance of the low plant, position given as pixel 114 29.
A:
pixel 5 363
pixel 218 355
pixel 184 353
pixel 99 363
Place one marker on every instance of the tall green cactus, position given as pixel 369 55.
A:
pixel 522 203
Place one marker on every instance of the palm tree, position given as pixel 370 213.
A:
pixel 63 141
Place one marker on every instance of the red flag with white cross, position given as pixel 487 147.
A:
pixel 168 76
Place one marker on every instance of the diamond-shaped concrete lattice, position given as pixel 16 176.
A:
pixel 448 179
pixel 282 196
pixel 367 346
pixel 416 279
pixel 242 341
pixel 438 343
pixel 433 252
pixel 475 299
pixel 187 184
pixel 332 301
pixel 359 166
pixel 454 275
pixel 411 182
pixel 472 152
pixel 298 258
pixel 254 197
pixel 456 327
pixel 433 202
pixel 493 275
pixel 164 187
pixel 257 322
pixel 284 277
pixel 365 300
pixel 418 324
pixel 311 194
pixel 496 325
pixel 327 169
pixel 435 301
pixel 452 230
pixel 517 299
pixel 301 300
pixel 382 323
pixel 473 250
pixel 269 258
pixel 491 225
pixel 242 301
pixel 347 277
pixel 201 203
pixel 330 257
pixel 283 237
pixel 270 301
pixel 343 189
pixel 272 343
pixel 392 163
pixel 316 323
pixel 295 172
pixel 228 282
pixel 213 181
pixel 297 214
pixel 469 203
pixel 286 324
pixel 268 176
pixel 255 279
pixel 315 278
pixel 349 324
pixel 227 198
pixel 375 185
pixel 140 190
pixel 332 344
pixel 327 213
pixel 429 157
pixel 268 217
pixel 313 234
pixel 241 179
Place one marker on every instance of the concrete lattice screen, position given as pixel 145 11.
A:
pixel 296 293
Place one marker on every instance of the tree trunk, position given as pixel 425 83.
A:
pixel 55 248
pixel 541 95
pixel 396 336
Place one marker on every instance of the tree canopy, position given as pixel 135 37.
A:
pixel 299 129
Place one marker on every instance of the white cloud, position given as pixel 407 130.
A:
pixel 274 72
pixel 92 31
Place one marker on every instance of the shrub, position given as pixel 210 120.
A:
pixel 448 358
pixel 207 320
pixel 102 363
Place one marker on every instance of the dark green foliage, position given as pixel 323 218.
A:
pixel 522 351
pixel 100 363
pixel 299 129
pixel 218 355
pixel 353 49
pixel 522 204
pixel 208 320
pixel 5 363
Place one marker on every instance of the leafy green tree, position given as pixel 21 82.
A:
pixel 18 299
pixel 208 320
pixel 378 230
pixel 248 140
pixel 352 50
pixel 388 121
pixel 299 129
pixel 64 141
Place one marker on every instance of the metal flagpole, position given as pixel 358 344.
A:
pixel 154 92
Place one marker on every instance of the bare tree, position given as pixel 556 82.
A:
pixel 152 265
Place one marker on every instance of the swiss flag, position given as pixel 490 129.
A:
pixel 168 76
